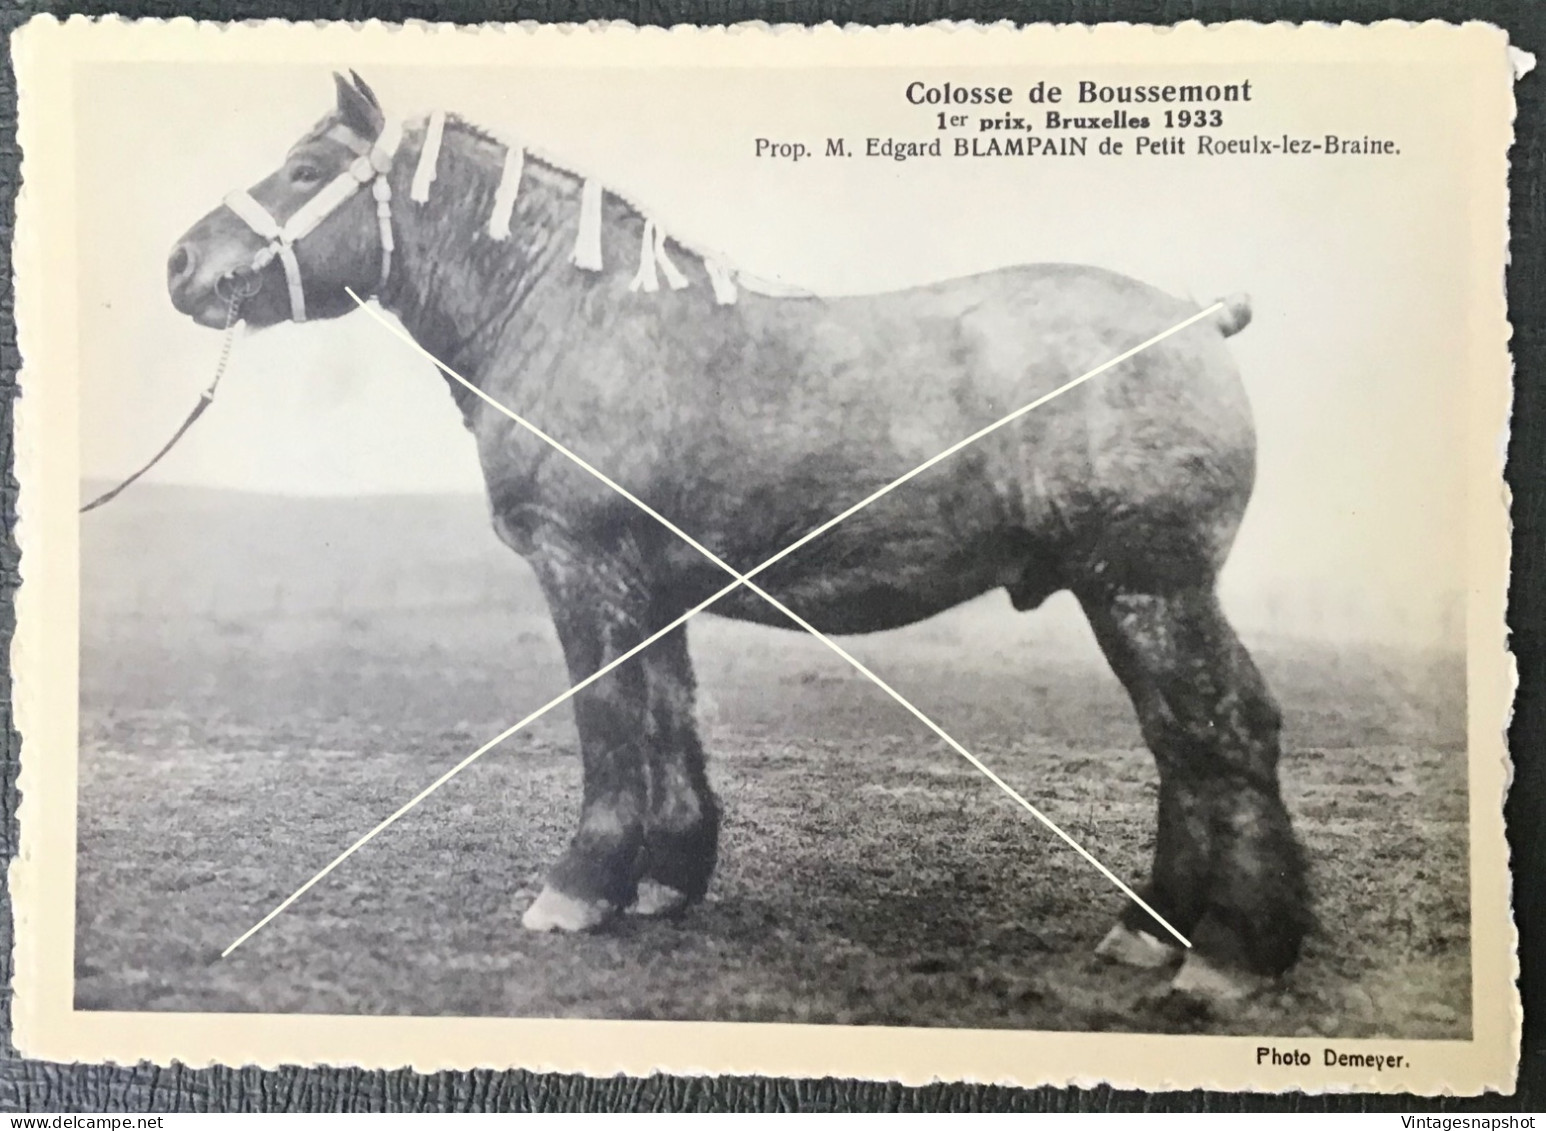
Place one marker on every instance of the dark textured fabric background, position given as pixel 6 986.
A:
pixel 35 1086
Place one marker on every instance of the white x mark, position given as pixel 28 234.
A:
pixel 740 579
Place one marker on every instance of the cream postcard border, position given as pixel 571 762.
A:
pixel 45 647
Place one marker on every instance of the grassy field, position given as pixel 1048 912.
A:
pixel 233 743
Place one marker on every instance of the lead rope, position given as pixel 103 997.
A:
pixel 205 400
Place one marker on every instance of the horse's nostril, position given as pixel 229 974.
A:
pixel 180 265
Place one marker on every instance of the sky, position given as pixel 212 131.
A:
pixel 1356 268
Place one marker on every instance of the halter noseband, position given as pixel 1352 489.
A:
pixel 371 167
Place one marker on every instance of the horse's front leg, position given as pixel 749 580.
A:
pixel 681 823
pixel 600 605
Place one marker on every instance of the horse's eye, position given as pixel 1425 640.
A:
pixel 304 175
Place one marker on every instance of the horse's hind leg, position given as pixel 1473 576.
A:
pixel 1227 872
pixel 681 819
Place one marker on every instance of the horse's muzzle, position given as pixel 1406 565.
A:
pixel 200 288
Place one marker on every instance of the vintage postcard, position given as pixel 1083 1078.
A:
pixel 968 553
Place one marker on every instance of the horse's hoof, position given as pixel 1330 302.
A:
pixel 656 900
pixel 1200 978
pixel 1128 947
pixel 555 911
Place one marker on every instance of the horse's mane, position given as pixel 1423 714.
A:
pixel 631 207
pixel 538 157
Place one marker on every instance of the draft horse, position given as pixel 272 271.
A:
pixel 749 419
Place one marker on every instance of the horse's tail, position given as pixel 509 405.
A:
pixel 1235 316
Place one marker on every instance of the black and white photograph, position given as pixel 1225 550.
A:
pixel 956 537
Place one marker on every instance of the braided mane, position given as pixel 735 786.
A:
pixel 714 263
pixel 535 156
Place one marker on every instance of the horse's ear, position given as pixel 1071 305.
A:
pixel 355 110
pixel 364 87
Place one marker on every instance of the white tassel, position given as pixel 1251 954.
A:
pixel 673 276
pixel 645 279
pixel 587 247
pixel 652 254
pixel 429 157
pixel 504 196
pixel 724 285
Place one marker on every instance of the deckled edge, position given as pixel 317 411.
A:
pixel 1520 63
pixel 25 258
pixel 26 254
pixel 763 27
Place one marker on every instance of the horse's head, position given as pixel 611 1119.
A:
pixel 296 239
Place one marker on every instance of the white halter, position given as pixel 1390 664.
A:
pixel 370 167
